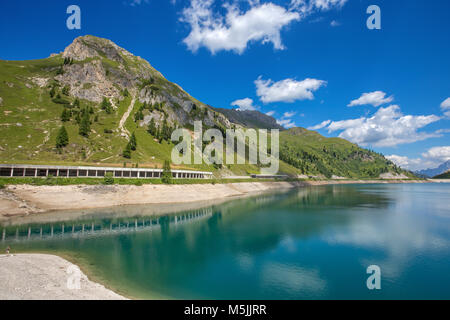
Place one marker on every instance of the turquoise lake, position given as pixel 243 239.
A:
pixel 307 243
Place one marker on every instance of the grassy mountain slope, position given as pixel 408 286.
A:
pixel 312 153
pixel 96 83
pixel 445 175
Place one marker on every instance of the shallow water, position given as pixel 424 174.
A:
pixel 310 243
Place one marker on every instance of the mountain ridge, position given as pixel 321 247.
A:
pixel 431 172
pixel 117 109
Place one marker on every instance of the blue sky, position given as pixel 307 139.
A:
pixel 303 60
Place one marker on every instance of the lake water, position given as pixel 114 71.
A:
pixel 309 243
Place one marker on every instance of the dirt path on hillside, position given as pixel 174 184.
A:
pixel 125 116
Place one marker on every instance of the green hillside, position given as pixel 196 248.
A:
pixel 116 108
pixel 445 175
pixel 314 154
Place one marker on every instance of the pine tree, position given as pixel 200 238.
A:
pixel 106 105
pixel 62 139
pixel 52 92
pixel 166 176
pixel 85 124
pixel 66 90
pixel 127 151
pixel 65 115
pixel 133 142
pixel 152 127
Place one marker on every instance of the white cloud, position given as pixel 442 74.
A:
pixel 287 123
pixel 289 114
pixel 438 154
pixel 388 127
pixel 286 120
pixel 445 106
pixel 288 90
pixel 134 3
pixel 270 113
pixel 320 125
pixel 232 29
pixel 335 23
pixel 244 104
pixel 376 99
pixel 307 7
pixel 232 32
pixel 432 158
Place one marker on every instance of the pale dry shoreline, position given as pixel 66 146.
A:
pixel 27 200
pixel 45 277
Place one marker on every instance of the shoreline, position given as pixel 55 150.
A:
pixel 34 276
pixel 27 200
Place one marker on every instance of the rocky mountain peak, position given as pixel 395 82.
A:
pixel 90 47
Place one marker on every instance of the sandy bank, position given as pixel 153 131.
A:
pixel 45 277
pixel 24 200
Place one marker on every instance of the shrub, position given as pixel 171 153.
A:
pixel 108 179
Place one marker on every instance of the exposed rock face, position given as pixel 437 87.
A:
pixel 96 68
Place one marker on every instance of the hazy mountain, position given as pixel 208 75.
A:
pixel 436 171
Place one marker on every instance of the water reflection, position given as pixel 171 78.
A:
pixel 308 243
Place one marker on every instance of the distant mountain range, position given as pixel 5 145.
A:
pixel 429 173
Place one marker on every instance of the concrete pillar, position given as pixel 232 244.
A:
pixel 93 227
pixel 35 172
pixel 46 173
pixel 12 172
pixel 135 224
pixel 24 170
pixel 29 233
pixel 82 228
pixel 57 172
pixel 78 173
pixel 51 232
pixel 3 235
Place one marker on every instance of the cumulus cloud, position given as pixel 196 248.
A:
pixel 287 90
pixel 134 3
pixel 438 154
pixel 232 29
pixel 289 114
pixel 320 125
pixel 270 113
pixel 286 120
pixel 445 106
pixel 244 104
pixel 335 23
pixel 388 127
pixel 432 158
pixel 307 7
pixel 376 99
pixel 261 23
pixel 287 123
